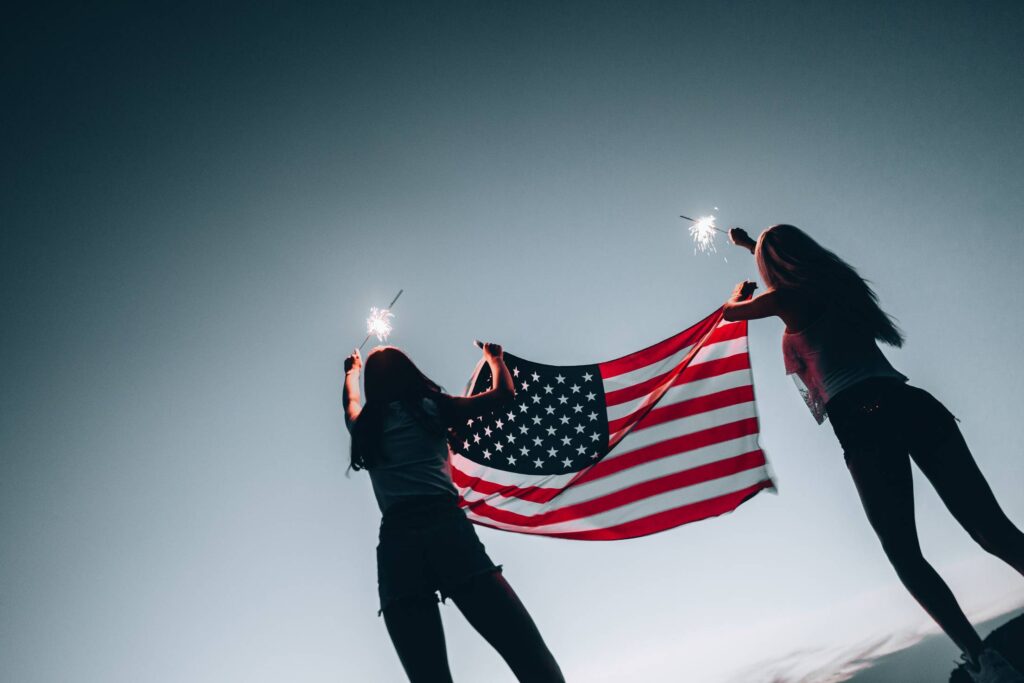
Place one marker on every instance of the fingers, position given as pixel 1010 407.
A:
pixel 739 236
pixel 489 348
pixel 744 290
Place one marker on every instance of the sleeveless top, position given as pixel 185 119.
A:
pixel 831 355
pixel 413 455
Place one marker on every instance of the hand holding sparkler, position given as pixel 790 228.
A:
pixel 740 238
pixel 354 362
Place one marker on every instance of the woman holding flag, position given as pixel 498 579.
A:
pixel 426 543
pixel 833 323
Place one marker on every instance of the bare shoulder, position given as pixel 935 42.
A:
pixel 798 308
pixel 446 406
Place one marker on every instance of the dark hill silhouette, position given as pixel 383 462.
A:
pixel 1008 639
pixel 924 661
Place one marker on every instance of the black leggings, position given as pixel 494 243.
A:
pixel 493 609
pixel 882 425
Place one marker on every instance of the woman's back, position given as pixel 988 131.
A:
pixel 830 355
pixel 413 454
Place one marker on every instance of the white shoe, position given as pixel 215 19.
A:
pixel 992 667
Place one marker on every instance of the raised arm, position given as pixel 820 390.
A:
pixel 350 396
pixel 741 307
pixel 501 392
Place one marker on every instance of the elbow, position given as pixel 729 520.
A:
pixel 506 392
pixel 729 313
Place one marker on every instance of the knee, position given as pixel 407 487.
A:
pixel 999 538
pixel 549 673
pixel 989 542
pixel 908 562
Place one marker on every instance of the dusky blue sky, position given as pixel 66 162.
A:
pixel 200 205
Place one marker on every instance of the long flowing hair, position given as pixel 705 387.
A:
pixel 789 258
pixel 388 376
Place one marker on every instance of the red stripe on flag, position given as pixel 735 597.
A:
pixel 534 494
pixel 624 496
pixel 671 518
pixel 692 373
pixel 693 406
pixel 669 447
pixel 661 350
pixel 660 521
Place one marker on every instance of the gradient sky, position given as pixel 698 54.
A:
pixel 199 207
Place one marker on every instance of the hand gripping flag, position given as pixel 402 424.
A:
pixel 626 448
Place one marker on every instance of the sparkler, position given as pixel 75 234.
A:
pixel 379 323
pixel 703 233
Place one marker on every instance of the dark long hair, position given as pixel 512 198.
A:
pixel 789 258
pixel 388 376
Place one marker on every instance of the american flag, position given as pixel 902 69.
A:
pixel 630 447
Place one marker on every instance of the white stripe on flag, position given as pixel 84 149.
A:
pixel 644 507
pixel 722 349
pixel 685 392
pixel 599 488
pixel 641 438
pixel 506 478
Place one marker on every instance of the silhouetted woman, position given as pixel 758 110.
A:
pixel 833 323
pixel 426 542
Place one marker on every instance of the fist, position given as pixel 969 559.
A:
pixel 354 362
pixel 743 290
pixel 490 350
pixel 739 237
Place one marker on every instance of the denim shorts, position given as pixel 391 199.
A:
pixel 885 414
pixel 427 545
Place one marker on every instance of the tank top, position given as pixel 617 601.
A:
pixel 831 355
pixel 413 455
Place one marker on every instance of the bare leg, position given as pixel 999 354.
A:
pixel 414 625
pixel 886 490
pixel 495 611
pixel 953 472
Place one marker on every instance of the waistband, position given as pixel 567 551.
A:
pixel 862 392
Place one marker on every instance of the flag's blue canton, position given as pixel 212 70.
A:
pixel 557 423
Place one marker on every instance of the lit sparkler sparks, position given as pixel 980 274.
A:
pixel 703 233
pixel 379 323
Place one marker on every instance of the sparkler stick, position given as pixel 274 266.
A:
pixel 703 232
pixel 712 226
pixel 379 322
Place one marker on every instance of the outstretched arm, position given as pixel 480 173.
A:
pixel 350 396
pixel 741 307
pixel 502 389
